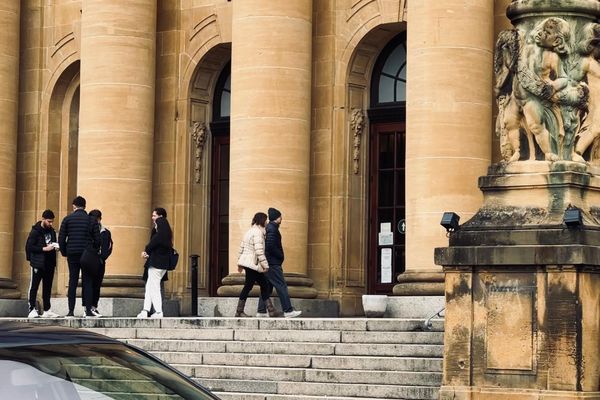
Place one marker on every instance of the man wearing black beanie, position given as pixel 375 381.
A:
pixel 275 257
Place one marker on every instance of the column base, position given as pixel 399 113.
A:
pixel 485 393
pixel 114 307
pixel 225 307
pixel 416 283
pixel 8 289
pixel 128 286
pixel 299 286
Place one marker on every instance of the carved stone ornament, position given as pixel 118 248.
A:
pixel 357 120
pixel 547 87
pixel 199 131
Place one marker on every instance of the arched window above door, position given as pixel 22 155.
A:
pixel 388 84
pixel 222 101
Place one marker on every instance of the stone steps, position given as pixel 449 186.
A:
pixel 322 390
pixel 293 359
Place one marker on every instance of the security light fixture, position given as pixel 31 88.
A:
pixel 573 217
pixel 450 221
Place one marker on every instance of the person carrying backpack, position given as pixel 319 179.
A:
pixel 106 247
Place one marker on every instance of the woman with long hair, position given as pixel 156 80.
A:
pixel 157 253
pixel 253 262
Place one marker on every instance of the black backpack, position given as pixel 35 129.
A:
pixel 110 244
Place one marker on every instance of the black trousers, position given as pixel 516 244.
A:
pixel 46 277
pixel 253 277
pixel 86 283
pixel 277 280
pixel 97 284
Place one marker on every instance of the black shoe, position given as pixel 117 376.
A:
pixel 70 315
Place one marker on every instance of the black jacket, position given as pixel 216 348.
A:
pixel 106 244
pixel 36 241
pixel 73 235
pixel 160 245
pixel 273 247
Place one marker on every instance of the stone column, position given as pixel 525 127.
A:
pixel 270 122
pixel 118 51
pixel 449 126
pixel 9 94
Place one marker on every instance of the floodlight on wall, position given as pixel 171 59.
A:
pixel 573 217
pixel 450 221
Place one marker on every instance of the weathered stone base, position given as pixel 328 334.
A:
pixel 13 308
pixel 8 289
pixel 414 306
pixel 115 307
pixel 420 284
pixel 299 286
pixel 225 307
pixel 469 393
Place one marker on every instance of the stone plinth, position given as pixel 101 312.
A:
pixel 225 307
pixel 523 290
pixel 299 286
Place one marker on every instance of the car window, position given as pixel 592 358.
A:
pixel 89 372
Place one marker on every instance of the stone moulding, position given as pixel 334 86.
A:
pixel 357 119
pixel 198 133
pixel 527 8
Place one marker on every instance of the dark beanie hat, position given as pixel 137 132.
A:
pixel 273 214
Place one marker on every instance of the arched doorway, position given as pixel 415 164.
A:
pixel 62 152
pixel 219 191
pixel 387 139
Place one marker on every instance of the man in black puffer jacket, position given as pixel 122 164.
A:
pixel 275 257
pixel 40 250
pixel 78 231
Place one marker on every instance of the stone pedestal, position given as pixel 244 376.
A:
pixel 299 286
pixel 523 289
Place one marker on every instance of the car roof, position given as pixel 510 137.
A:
pixel 18 334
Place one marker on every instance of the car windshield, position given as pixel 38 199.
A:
pixel 89 371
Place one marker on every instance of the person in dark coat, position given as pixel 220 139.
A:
pixel 275 257
pixel 157 252
pixel 106 247
pixel 40 250
pixel 77 232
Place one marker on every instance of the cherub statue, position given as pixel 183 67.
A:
pixel 589 50
pixel 529 81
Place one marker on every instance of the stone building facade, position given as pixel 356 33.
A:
pixel 352 117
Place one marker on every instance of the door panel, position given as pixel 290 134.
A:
pixel 386 206
pixel 219 218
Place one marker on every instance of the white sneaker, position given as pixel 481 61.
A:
pixel 157 315
pixel 292 314
pixel 96 312
pixel 143 314
pixel 50 314
pixel 33 314
pixel 262 315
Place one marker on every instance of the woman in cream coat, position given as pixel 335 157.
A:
pixel 253 262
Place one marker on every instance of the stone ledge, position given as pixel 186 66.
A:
pixel 225 307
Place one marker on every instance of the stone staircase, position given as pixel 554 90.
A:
pixel 269 359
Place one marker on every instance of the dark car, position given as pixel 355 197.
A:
pixel 51 363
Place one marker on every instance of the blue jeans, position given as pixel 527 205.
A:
pixel 275 276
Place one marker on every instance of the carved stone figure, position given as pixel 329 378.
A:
pixel 590 70
pixel 199 131
pixel 529 81
pixel 356 124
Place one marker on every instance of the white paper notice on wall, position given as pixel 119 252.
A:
pixel 386 265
